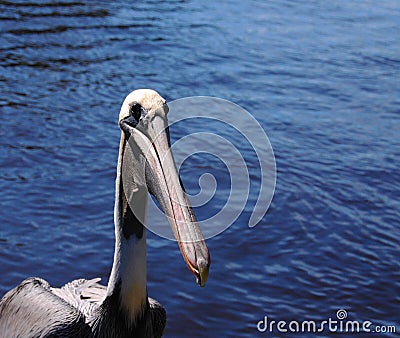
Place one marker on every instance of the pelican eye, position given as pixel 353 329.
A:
pixel 132 120
pixel 135 111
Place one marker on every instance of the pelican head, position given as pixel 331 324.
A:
pixel 145 135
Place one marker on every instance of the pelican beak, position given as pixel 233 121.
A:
pixel 151 135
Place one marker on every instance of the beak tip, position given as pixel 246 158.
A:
pixel 203 267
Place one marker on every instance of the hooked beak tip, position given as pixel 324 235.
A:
pixel 203 268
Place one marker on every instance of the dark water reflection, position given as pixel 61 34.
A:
pixel 323 80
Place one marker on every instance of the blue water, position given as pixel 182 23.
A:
pixel 323 80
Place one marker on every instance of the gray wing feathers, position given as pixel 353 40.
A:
pixel 84 295
pixel 33 310
pixel 157 318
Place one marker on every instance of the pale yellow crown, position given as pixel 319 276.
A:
pixel 149 99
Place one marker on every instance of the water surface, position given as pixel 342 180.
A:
pixel 322 79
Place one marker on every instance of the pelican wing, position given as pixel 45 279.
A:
pixel 33 310
pixel 84 295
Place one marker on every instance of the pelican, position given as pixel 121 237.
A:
pixel 85 308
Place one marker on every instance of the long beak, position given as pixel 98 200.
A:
pixel 164 184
